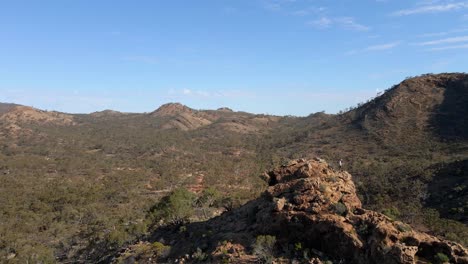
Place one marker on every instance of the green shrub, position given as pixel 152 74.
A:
pixel 116 238
pixel 403 227
pixel 183 229
pixel 161 249
pixel 176 208
pixel 363 229
pixel 340 209
pixel 392 213
pixel 441 258
pixel 208 197
pixel 199 255
pixel 264 248
pixel 298 246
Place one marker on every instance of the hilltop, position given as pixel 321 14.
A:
pixel 14 119
pixel 25 114
pixel 178 116
pixel 6 107
pixel 437 104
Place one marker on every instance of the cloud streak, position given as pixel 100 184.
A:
pixel 431 8
pixel 385 46
pixel 343 22
pixel 439 34
pixel 276 5
pixel 444 41
pixel 321 23
pixel 309 11
pixel 376 48
pixel 177 93
pixel 464 46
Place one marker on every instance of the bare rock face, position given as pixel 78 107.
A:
pixel 13 121
pixel 310 203
pixel 24 114
pixel 172 109
pixel 180 117
pixel 107 113
pixel 320 208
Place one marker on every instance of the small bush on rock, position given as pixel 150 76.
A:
pixel 264 248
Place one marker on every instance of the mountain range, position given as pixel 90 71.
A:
pixel 81 187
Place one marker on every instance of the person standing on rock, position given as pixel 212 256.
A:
pixel 341 164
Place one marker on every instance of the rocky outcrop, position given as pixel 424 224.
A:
pixel 107 113
pixel 319 207
pixel 172 109
pixel 181 117
pixel 312 206
pixel 25 114
pixel 15 121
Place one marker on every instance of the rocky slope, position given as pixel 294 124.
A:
pixel 181 117
pixel 449 191
pixel 6 107
pixel 25 114
pixel 313 213
pixel 106 113
pixel 15 118
pixel 435 103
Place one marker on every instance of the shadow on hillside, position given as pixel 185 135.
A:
pixel 450 120
pixel 236 226
pixel 449 191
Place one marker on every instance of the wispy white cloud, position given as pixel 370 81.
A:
pixel 385 46
pixel 432 7
pixel 344 22
pixel 197 93
pixel 321 23
pixel 276 5
pixel 463 46
pixel 376 48
pixel 439 65
pixel 309 11
pixel 444 33
pixel 444 41
pixel 350 23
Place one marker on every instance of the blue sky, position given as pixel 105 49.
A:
pixel 265 56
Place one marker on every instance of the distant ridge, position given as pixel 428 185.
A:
pixel 106 112
pixel 89 180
